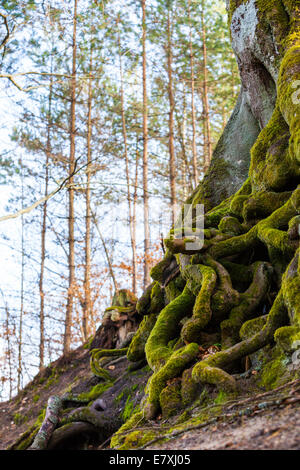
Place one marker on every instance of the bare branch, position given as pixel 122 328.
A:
pixel 8 32
pixel 26 210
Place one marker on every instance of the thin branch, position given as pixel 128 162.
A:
pixel 26 210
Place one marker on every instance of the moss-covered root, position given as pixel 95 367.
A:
pixel 224 297
pixel 211 371
pixel 118 440
pixel 49 424
pixel 270 231
pixel 202 309
pixel 288 337
pixel 98 354
pixel 170 399
pixel 136 350
pixel 179 361
pixel 249 301
pixel 166 328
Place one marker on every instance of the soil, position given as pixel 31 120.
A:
pixel 278 429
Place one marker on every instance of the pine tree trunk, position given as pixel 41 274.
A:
pixel 20 339
pixel 171 118
pixel 71 221
pixel 145 152
pixel 208 150
pixel 131 227
pixel 43 231
pixel 87 310
pixel 193 111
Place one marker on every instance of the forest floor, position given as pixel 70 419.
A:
pixel 276 429
pixel 22 411
pixel 258 419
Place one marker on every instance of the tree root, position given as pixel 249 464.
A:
pixel 201 310
pixel 211 371
pixel 50 422
pixel 97 357
pixel 249 301
pixel 69 432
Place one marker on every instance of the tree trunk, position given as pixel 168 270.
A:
pixel 171 117
pixel 131 225
pixel 87 311
pixel 194 149
pixel 71 221
pixel 44 228
pixel 208 146
pixel 20 339
pixel 145 152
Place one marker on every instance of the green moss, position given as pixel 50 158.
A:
pixel 249 302
pixel 157 298
pixel 273 373
pixel 136 350
pixel 28 436
pixel 213 217
pixel 143 304
pixel 19 419
pixel 189 389
pixel 123 298
pixel 98 355
pixel 219 171
pixel 36 398
pixel 118 440
pixel 136 439
pixel 128 409
pixel 166 329
pixel 251 327
pixel 261 204
pixel 157 272
pixel 170 399
pixel 95 392
pixel 221 398
pixel 174 288
pixel 174 366
pixel 230 225
pixel 201 310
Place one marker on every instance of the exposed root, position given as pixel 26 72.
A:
pixel 97 358
pixel 211 371
pixel 50 422
pixel 249 301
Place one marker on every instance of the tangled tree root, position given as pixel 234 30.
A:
pixel 100 356
pixel 247 270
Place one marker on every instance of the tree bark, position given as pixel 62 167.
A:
pixel 208 145
pixel 171 117
pixel 131 224
pixel 194 149
pixel 145 152
pixel 87 311
pixel 44 229
pixel 71 222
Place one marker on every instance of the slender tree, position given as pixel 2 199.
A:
pixel 171 112
pixel 71 221
pixel 145 151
